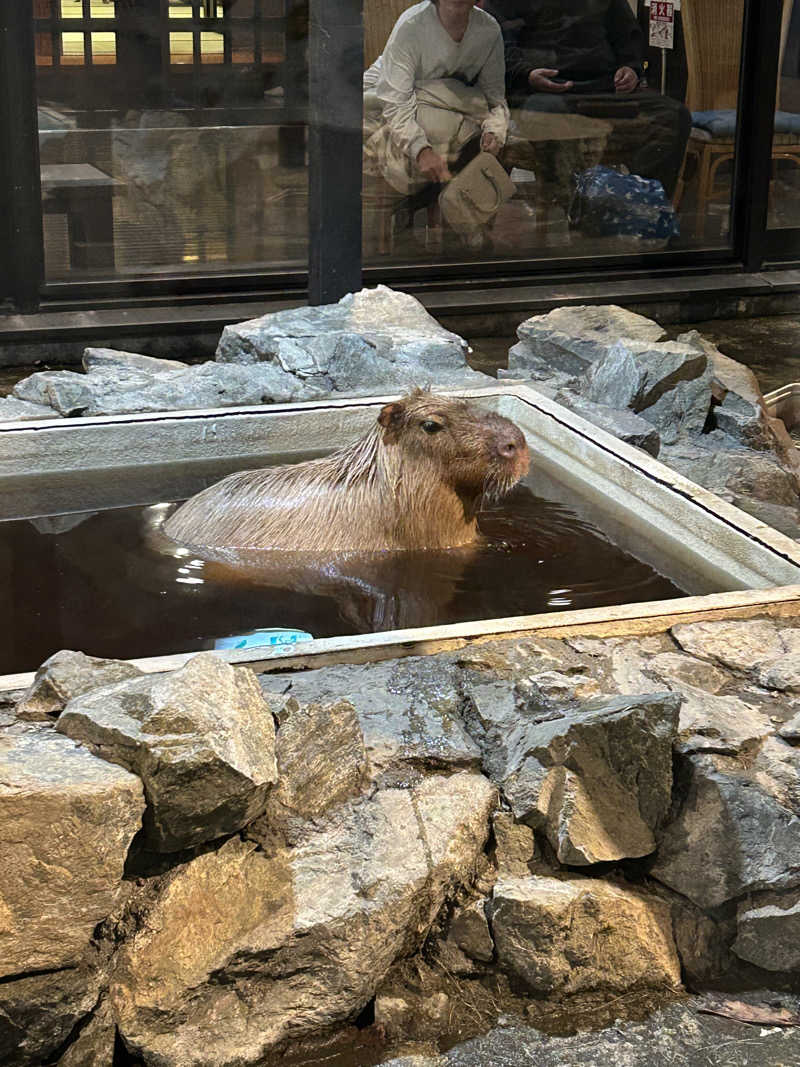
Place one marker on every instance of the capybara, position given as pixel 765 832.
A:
pixel 414 481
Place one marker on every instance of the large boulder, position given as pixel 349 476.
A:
pixel 582 934
pixel 372 339
pixel 202 739
pixel 569 339
pixel 738 829
pixel 596 779
pixel 739 644
pixel 768 931
pixel 667 383
pixel 66 821
pixel 122 387
pixel 408 711
pixel 65 675
pixel 240 950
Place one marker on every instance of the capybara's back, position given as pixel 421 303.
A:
pixel 413 481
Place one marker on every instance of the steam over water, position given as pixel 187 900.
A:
pixel 96 581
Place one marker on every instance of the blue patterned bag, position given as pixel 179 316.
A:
pixel 607 203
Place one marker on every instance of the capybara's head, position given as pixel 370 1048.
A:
pixel 475 451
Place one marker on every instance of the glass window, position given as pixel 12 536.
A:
pixel 619 138
pixel 784 198
pixel 172 136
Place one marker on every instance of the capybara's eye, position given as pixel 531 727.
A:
pixel 429 426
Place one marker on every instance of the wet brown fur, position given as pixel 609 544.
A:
pixel 398 487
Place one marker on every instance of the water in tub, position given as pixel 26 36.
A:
pixel 102 581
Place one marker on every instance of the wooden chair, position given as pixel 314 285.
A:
pixel 713 37
pixel 379 19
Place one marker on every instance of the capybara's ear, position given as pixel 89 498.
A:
pixel 391 415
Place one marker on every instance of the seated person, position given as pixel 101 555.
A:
pixel 440 92
pixel 585 57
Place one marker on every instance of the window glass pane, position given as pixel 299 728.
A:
pixel 72 46
pixel 169 149
pixel 181 47
pixel 104 48
pixel 607 143
pixel 784 200
pixel 180 10
pixel 212 47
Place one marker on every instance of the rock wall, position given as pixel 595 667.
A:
pixel 209 868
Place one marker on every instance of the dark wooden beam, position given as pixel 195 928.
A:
pixel 23 269
pixel 336 63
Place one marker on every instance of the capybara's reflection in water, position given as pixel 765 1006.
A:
pixel 416 480
pixel 533 555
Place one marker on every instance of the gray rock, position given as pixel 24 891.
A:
pixel 376 337
pixel 469 929
pixel 14 410
pixel 739 410
pixel 408 711
pixel 116 389
pixel 768 933
pixel 582 934
pixel 111 357
pixel 637 374
pixel 596 779
pixel 737 831
pixel 66 391
pixel 39 1012
pixel 277 947
pixel 741 645
pixel 321 763
pixel 683 411
pixel 677 669
pixel 571 338
pixel 65 675
pixel 782 673
pixel 676 1036
pixel 202 739
pixel 725 724
pixel 526 362
pixel 730 471
pixel 66 821
pixel 622 424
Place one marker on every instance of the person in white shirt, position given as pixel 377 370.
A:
pixel 438 87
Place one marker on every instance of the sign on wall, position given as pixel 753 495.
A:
pixel 662 23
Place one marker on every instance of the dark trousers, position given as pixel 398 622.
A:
pixel 649 131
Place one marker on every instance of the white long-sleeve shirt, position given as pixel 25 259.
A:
pixel 420 49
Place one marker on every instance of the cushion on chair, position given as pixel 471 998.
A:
pixel 722 123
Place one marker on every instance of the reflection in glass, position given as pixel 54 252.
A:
pixel 784 200
pixel 601 144
pixel 172 135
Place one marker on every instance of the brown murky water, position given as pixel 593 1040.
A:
pixel 104 582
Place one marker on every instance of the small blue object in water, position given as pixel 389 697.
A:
pixel 259 638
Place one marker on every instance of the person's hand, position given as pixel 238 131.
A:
pixel 541 80
pixel 489 143
pixel 625 80
pixel 433 166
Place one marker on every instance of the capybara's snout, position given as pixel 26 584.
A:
pixel 512 448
